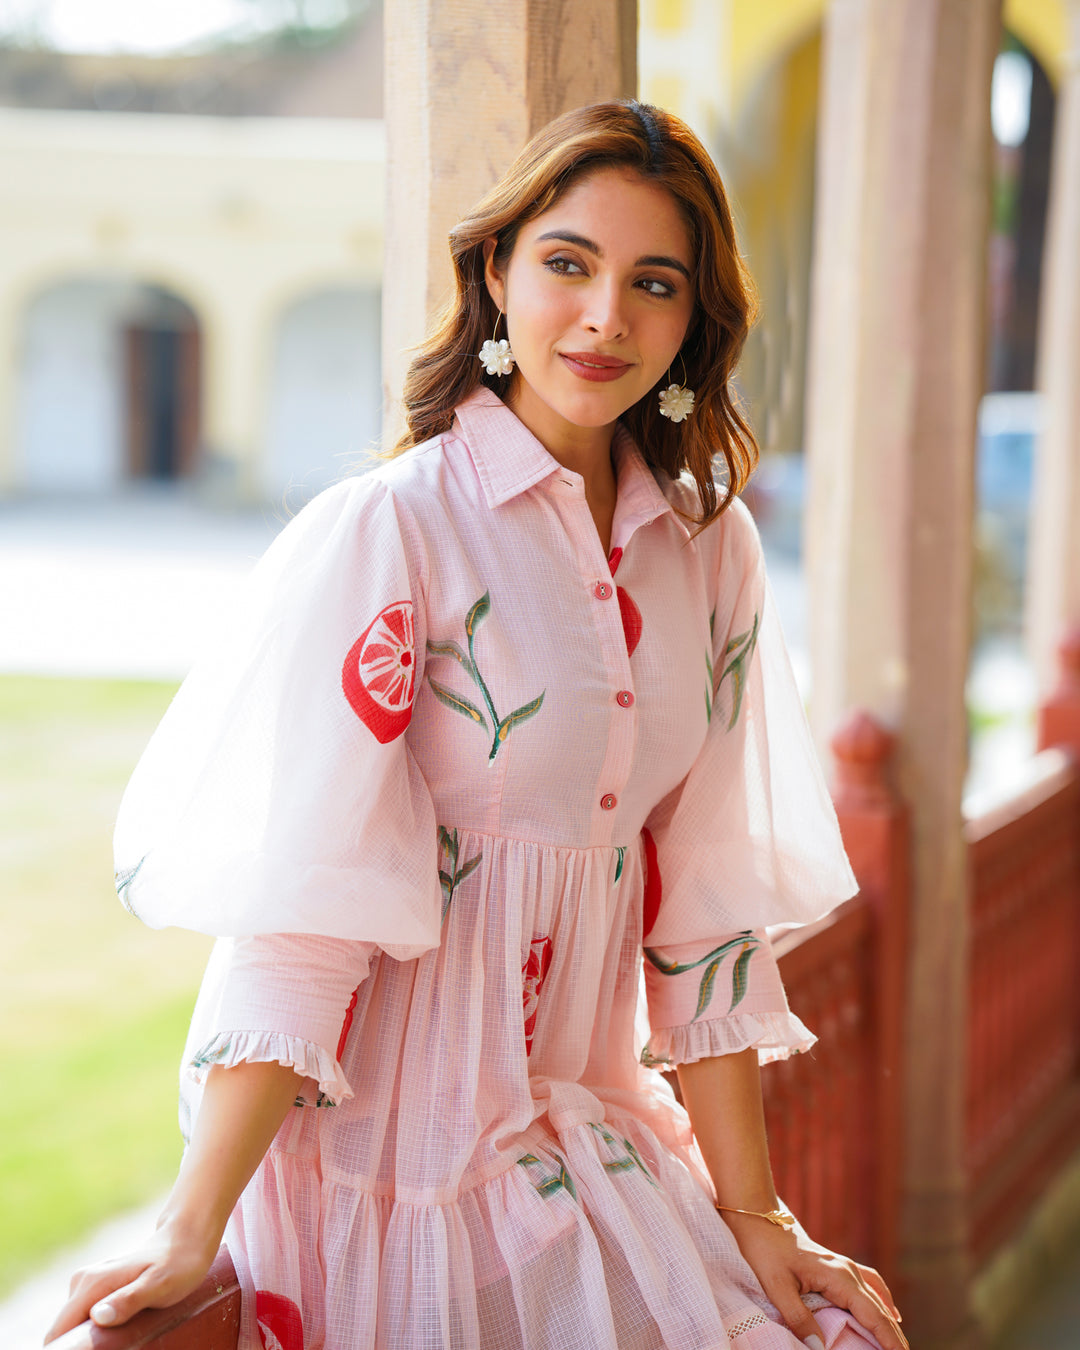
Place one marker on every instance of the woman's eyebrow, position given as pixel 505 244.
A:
pixel 590 246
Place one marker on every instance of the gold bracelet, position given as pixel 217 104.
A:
pixel 780 1217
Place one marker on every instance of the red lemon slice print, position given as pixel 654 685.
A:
pixel 379 674
pixel 280 1327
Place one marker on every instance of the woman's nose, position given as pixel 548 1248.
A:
pixel 605 314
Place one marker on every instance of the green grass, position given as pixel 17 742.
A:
pixel 93 1005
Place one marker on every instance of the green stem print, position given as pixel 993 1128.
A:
pixel 630 1159
pixel 452 874
pixel 740 971
pixel 124 880
pixel 740 649
pixel 709 669
pixel 547 1183
pixel 502 725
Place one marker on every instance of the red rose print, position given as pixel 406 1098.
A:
pixel 631 615
pixel 280 1327
pixel 653 892
pixel 346 1025
pixel 631 619
pixel 379 673
pixel 533 974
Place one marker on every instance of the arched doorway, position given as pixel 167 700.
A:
pixel 161 369
pixel 108 386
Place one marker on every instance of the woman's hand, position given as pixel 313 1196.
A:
pixel 159 1274
pixel 241 1110
pixel 789 1264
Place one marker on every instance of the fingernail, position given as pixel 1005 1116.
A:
pixel 105 1314
pixel 814 1343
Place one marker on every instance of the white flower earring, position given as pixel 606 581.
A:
pixel 496 357
pixel 676 401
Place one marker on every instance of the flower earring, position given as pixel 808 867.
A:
pixel 496 357
pixel 676 401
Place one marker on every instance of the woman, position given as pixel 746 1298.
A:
pixel 495 713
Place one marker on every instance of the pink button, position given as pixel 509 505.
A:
pixel 607 802
pixel 603 591
pixel 624 698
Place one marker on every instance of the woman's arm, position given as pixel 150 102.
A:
pixel 723 1098
pixel 241 1110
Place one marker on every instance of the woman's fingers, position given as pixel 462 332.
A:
pixel 842 1284
pixel 878 1285
pixel 797 1316
pixel 112 1293
pixel 89 1287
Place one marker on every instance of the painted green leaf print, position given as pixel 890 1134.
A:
pixel 740 649
pixel 709 670
pixel 452 875
pixel 547 1183
pixel 739 975
pixel 630 1160
pixel 620 855
pixel 499 726
pixel 124 879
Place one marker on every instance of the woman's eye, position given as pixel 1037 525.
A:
pixel 563 267
pixel 654 286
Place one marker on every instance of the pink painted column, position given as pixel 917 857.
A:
pixel 467 83
pixel 896 370
pixel 1053 587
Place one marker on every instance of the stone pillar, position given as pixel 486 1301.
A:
pixel 1053 589
pixel 896 369
pixel 467 83
pixel 235 363
pixel 11 315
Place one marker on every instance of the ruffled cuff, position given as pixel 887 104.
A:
pixel 776 1035
pixel 266 1047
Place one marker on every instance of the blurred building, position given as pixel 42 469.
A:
pixel 190 268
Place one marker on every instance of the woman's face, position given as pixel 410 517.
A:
pixel 598 294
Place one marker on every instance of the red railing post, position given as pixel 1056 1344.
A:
pixel 1059 715
pixel 875 825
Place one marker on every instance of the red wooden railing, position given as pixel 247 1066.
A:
pixel 1023 1071
pixel 820 1109
pixel 835 1117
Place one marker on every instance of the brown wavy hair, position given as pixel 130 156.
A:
pixel 663 150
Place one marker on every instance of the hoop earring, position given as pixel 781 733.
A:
pixel 676 401
pixel 496 357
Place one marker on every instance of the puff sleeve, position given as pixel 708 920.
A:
pixel 279 793
pixel 749 838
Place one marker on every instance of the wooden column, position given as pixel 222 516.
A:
pixel 1053 589
pixel 467 84
pixel 896 370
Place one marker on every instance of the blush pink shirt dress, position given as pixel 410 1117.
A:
pixel 455 781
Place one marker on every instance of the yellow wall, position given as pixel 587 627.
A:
pixel 759 33
pixel 1042 26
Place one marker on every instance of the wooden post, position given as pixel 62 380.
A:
pixel 467 84
pixel 1059 713
pixel 876 828
pixel 1053 587
pixel 897 361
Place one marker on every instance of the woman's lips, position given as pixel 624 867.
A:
pixel 593 366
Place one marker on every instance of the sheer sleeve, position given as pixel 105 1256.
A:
pixel 748 839
pixel 279 794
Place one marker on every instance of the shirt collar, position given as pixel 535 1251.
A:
pixel 509 459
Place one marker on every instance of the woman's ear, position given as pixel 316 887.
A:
pixel 493 278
